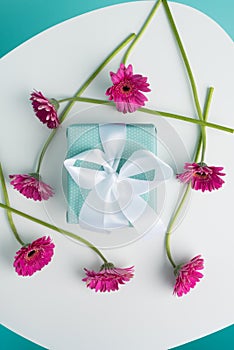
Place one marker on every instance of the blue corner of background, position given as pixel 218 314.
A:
pixel 12 341
pixel 221 340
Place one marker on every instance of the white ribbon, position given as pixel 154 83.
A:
pixel 115 199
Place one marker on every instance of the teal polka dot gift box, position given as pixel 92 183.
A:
pixel 111 176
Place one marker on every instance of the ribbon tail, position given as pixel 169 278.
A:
pixel 95 215
pixel 142 217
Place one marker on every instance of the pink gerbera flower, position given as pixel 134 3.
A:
pixel 31 186
pixel 202 177
pixel 108 278
pixel 126 88
pixel 187 275
pixel 34 256
pixel 45 109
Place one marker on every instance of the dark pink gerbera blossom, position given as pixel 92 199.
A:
pixel 187 275
pixel 34 256
pixel 31 186
pixel 202 177
pixel 126 88
pixel 108 278
pixel 45 109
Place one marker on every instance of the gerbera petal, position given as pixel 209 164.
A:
pixel 187 275
pixel 202 177
pixel 108 278
pixel 129 71
pixel 34 256
pixel 44 110
pixel 125 91
pixel 30 186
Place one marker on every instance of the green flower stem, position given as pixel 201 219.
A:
pixel 185 58
pixel 154 112
pixel 96 72
pixel 206 111
pixel 203 135
pixel 188 186
pixel 55 228
pixel 187 119
pixel 189 71
pixel 169 229
pixel 9 215
pixel 79 92
pixel 44 149
pixel 200 143
pixel 143 28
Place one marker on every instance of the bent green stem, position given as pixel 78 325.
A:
pixel 9 215
pixel 54 228
pixel 140 33
pixel 188 186
pixel 206 111
pixel 203 135
pixel 154 112
pixel 185 58
pixel 79 92
pixel 169 229
pixel 44 149
pixel 189 71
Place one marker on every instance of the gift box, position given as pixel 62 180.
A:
pixel 118 145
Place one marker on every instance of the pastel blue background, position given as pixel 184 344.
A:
pixel 22 19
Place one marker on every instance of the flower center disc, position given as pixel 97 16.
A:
pixel 31 253
pixel 126 88
pixel 201 175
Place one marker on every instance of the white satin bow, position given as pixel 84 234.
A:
pixel 115 199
